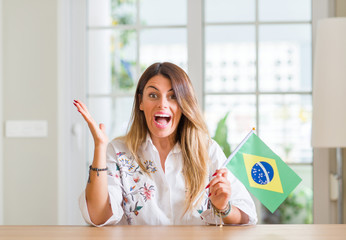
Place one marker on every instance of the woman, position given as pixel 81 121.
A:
pixel 157 172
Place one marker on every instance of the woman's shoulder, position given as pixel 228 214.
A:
pixel 118 144
pixel 213 146
pixel 116 148
pixel 216 154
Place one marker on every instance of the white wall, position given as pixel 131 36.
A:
pixel 1 131
pixel 325 210
pixel 340 9
pixel 30 93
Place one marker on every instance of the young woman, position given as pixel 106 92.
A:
pixel 157 172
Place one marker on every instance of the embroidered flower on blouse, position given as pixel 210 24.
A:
pixel 136 179
pixel 119 154
pixel 136 209
pixel 149 166
pixel 127 165
pixel 132 209
pixel 147 192
pixel 131 167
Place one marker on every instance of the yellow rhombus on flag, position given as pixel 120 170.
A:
pixel 266 179
pixel 262 172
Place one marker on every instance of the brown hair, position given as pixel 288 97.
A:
pixel 192 132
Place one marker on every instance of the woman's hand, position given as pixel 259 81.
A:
pixel 220 194
pixel 220 189
pixel 98 131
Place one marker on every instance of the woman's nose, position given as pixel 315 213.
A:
pixel 163 103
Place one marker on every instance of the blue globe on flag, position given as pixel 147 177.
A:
pixel 262 173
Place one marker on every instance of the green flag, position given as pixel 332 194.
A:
pixel 262 172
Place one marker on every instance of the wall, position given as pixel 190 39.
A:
pixel 30 93
pixel 340 8
pixel 340 11
pixel 1 129
pixel 325 210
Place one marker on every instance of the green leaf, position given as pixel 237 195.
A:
pixel 221 135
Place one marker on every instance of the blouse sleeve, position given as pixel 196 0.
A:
pixel 240 197
pixel 114 191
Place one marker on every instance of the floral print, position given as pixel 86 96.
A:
pixel 149 166
pixel 127 165
pixel 136 179
pixel 147 192
pixel 137 193
pixel 136 209
pixel 131 209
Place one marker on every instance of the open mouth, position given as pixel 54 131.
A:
pixel 162 119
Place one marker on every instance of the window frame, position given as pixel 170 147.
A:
pixel 72 172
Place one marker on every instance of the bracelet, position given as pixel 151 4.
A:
pixel 97 170
pixel 222 213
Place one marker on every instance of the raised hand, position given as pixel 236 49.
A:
pixel 96 191
pixel 98 131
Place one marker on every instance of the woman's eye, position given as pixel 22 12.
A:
pixel 152 95
pixel 173 96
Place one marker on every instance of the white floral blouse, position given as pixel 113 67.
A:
pixel 158 199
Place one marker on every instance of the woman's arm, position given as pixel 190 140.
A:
pixel 97 196
pixel 236 216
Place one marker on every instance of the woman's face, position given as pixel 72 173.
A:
pixel 160 107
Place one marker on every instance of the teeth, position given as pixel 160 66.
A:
pixel 161 115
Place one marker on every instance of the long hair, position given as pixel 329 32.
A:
pixel 192 132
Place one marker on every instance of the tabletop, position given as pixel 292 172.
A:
pixel 261 232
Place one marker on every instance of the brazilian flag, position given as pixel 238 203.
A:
pixel 262 172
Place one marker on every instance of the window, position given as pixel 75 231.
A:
pixel 124 38
pixel 257 66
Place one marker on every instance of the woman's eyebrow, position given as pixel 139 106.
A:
pixel 153 87
pixel 158 89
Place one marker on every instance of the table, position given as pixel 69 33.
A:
pixel 260 232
